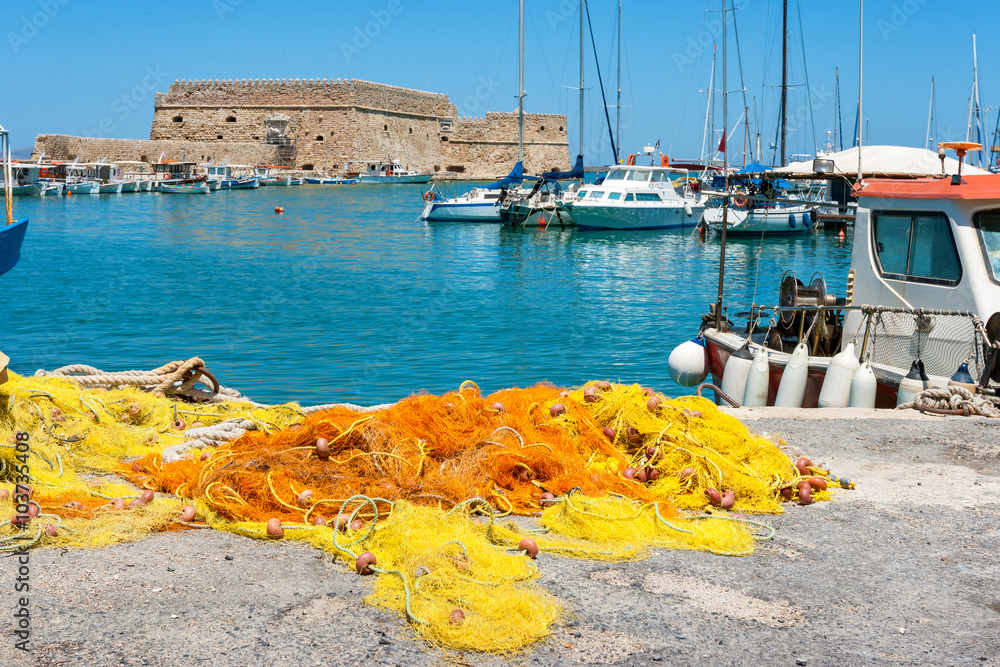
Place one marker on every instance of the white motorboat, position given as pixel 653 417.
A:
pixel 636 197
pixel 379 173
pixel 768 220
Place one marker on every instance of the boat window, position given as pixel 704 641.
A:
pixel 988 224
pixel 615 175
pixel 916 247
pixel 647 196
pixel 641 176
pixel 629 197
pixel 596 194
pixel 614 195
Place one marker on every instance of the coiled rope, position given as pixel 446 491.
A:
pixel 957 400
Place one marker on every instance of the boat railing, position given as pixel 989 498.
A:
pixel 892 337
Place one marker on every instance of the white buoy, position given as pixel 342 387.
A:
pixel 963 378
pixel 864 386
pixel 836 391
pixel 755 393
pixel 734 376
pixel 792 389
pixel 688 363
pixel 913 383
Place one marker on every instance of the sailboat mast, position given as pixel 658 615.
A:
pixel 582 11
pixel 520 86
pixel 784 77
pixel 930 117
pixel 708 107
pixel 861 70
pixel 836 105
pixel 618 104
pixel 720 320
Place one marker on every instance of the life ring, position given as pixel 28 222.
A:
pixel 664 160
pixel 740 202
pixel 43 173
pixel 631 160
pixel 429 196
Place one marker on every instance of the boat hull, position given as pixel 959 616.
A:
pixel 393 180
pixel 721 345
pixel 794 220
pixel 620 217
pixel 11 239
pixel 130 186
pixel 87 188
pixel 200 189
pixel 34 190
pixel 110 188
pixel 248 184
pixel 53 190
pixel 447 211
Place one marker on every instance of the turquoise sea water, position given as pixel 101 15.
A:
pixel 348 297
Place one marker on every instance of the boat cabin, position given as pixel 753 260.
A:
pixel 932 244
pixel 174 170
pixel 639 183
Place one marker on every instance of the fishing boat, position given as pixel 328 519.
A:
pixel 922 307
pixel 325 180
pixel 12 234
pixel 394 173
pixel 264 174
pixel 112 188
pixel 185 189
pixel 25 180
pixel 82 187
pixel 636 197
pixel 53 189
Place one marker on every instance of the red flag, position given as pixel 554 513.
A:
pixel 722 142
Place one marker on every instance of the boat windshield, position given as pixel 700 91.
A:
pixel 988 224
pixel 615 175
pixel 641 176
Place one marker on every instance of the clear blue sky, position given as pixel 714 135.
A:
pixel 77 66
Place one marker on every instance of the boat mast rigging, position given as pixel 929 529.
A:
pixel 784 77
pixel 720 320
pixel 600 81
pixel 618 104
pixel 520 86
pixel 930 119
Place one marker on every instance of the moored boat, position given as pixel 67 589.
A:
pixel 83 187
pixel 394 173
pixel 11 235
pixel 922 303
pixel 636 197
pixel 185 188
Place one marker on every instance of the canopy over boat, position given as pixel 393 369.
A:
pixel 515 177
pixel 882 161
pixel 573 174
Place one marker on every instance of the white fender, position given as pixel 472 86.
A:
pixel 734 376
pixel 688 209
pixel 792 390
pixel 688 363
pixel 755 393
pixel 913 383
pixel 836 391
pixel 863 387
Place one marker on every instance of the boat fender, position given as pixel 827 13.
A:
pixel 913 383
pixel 791 220
pixel 807 220
pixel 792 388
pixel 688 209
pixel 863 387
pixel 755 393
pixel 836 391
pixel 963 378
pixel 734 375
pixel 688 363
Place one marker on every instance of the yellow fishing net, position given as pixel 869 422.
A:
pixel 425 487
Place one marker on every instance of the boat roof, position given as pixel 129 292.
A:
pixel 972 187
pixel 646 167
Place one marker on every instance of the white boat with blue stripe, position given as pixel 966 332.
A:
pixel 636 197
pixel 476 205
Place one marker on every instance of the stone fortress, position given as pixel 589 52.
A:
pixel 325 125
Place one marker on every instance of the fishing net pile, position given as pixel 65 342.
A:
pixel 430 493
